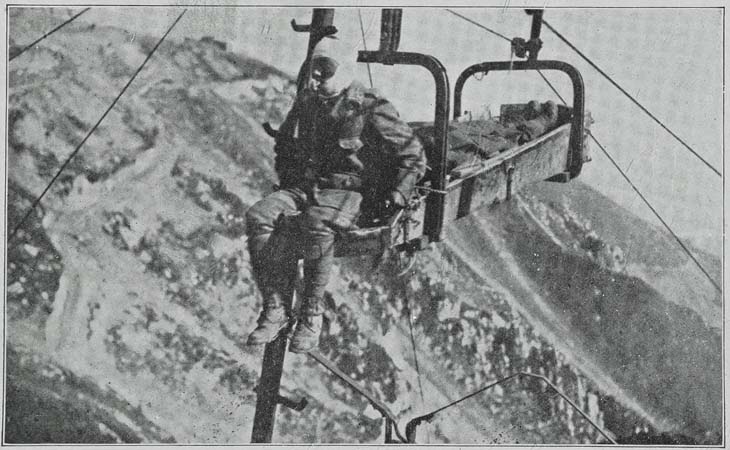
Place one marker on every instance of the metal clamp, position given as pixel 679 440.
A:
pixel 526 49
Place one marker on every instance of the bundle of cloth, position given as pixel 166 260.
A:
pixel 472 141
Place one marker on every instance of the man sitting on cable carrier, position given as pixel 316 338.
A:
pixel 339 154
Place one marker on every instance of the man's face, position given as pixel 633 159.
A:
pixel 322 74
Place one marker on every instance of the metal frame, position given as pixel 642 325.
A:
pixel 413 424
pixel 434 218
pixel 575 158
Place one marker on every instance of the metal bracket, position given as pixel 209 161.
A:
pixel 271 131
pixel 291 404
pixel 530 48
pixel 526 49
pixel 321 31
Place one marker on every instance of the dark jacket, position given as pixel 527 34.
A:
pixel 354 140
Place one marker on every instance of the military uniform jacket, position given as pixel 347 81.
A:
pixel 354 140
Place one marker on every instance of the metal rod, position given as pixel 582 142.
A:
pixel 413 424
pixel 378 405
pixel 390 21
pixel 434 217
pixel 365 45
pixel 535 32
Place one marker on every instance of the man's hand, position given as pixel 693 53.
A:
pixel 395 200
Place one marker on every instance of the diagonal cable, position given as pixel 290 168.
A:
pixel 679 241
pixel 479 25
pixel 364 44
pixel 32 44
pixel 633 186
pixel 78 147
pixel 413 340
pixel 636 102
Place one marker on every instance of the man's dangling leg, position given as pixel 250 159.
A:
pixel 275 278
pixel 274 258
pixel 317 267
pixel 336 210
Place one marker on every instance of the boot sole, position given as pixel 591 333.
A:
pixel 263 342
pixel 294 348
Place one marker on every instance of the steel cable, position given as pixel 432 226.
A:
pixel 413 338
pixel 641 196
pixel 480 25
pixel 78 147
pixel 32 44
pixel 636 102
pixel 365 45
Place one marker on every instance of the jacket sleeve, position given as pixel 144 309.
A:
pixel 400 144
pixel 289 157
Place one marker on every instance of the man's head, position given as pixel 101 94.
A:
pixel 324 67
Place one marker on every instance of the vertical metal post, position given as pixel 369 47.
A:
pixel 536 22
pixel 388 431
pixel 390 20
pixel 535 42
pixel 267 393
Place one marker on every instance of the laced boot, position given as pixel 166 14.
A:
pixel 271 322
pixel 308 328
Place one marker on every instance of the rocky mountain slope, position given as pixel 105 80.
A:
pixel 129 295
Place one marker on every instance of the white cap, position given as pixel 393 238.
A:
pixel 324 57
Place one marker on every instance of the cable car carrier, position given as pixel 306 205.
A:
pixel 453 187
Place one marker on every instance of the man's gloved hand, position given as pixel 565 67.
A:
pixel 395 200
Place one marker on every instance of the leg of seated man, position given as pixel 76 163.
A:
pixel 274 255
pixel 335 210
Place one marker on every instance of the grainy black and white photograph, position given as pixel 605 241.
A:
pixel 492 225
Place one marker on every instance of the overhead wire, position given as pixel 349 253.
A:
pixel 641 196
pixel 407 304
pixel 365 45
pixel 96 125
pixel 636 102
pixel 34 43
pixel 480 25
pixel 413 339
pixel 623 174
